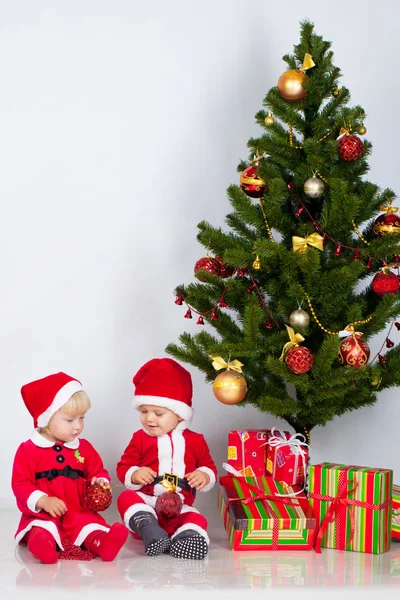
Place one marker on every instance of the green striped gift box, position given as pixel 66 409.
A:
pixel 250 526
pixel 364 524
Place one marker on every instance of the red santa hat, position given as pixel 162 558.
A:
pixel 46 396
pixel 164 382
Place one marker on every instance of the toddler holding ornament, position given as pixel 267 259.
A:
pixel 165 454
pixel 52 473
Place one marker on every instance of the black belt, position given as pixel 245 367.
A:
pixel 65 472
pixel 182 483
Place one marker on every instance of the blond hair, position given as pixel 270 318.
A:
pixel 77 404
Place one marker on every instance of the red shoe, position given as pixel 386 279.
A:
pixel 42 545
pixel 107 545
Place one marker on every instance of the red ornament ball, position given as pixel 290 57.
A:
pixel 168 505
pixel 225 270
pixel 98 498
pixel 353 352
pixel 209 264
pixel 350 147
pixel 386 225
pixel 251 183
pixel 385 283
pixel 299 360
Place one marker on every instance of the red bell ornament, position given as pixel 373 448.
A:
pixel 385 282
pixel 353 351
pixel 251 183
pixel 98 497
pixel 350 147
pixel 209 264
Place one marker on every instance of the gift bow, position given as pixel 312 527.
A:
pixel 388 209
pixel 297 444
pixel 264 498
pixel 334 513
pixel 295 339
pixel 219 363
pixel 349 330
pixel 314 239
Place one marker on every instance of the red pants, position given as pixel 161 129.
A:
pixel 130 502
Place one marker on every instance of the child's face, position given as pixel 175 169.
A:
pixel 158 420
pixel 65 427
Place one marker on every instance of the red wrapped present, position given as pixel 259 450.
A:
pixel 246 452
pixel 287 457
pixel 260 514
pixel 353 507
pixel 396 512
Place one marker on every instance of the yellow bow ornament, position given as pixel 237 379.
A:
pixel 300 244
pixel 295 339
pixel 219 363
pixel 388 209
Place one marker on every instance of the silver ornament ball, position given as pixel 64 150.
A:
pixel 299 317
pixel 314 187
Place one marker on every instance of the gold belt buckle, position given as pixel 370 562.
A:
pixel 171 478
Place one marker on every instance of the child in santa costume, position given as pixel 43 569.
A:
pixel 165 448
pixel 51 473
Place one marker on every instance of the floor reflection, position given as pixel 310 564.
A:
pixel 221 569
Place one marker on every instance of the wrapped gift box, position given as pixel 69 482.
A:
pixel 267 524
pixel 352 506
pixel 396 513
pixel 286 462
pixel 247 451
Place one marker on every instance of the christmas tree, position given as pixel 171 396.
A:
pixel 303 276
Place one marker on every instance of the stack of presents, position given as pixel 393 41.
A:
pixel 272 499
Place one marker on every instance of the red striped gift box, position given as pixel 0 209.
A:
pixel 352 506
pixel 259 514
pixel 396 513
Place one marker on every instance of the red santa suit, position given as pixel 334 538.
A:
pixel 63 470
pixel 164 383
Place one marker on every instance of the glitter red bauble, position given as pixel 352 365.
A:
pixel 168 505
pixel 353 352
pixel 98 498
pixel 385 283
pixel 251 183
pixel 350 147
pixel 209 264
pixel 225 270
pixel 299 360
pixel 386 225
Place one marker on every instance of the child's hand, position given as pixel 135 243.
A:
pixel 103 482
pixel 52 505
pixel 198 479
pixel 143 476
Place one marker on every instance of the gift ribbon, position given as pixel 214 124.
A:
pixel 337 512
pixel 265 498
pixel 295 339
pixel 388 209
pixel 301 244
pixel 297 443
pixel 219 363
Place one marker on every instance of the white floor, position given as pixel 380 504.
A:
pixel 233 574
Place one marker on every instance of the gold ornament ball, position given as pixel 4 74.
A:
pixel 290 85
pixel 336 91
pixel 229 387
pixel 314 187
pixel 269 119
pixel 299 318
pixel 361 129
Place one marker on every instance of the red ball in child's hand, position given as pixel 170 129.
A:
pixel 168 505
pixel 98 498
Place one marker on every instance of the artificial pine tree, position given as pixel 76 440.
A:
pixel 271 266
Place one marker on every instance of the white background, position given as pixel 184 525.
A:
pixel 121 126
